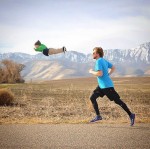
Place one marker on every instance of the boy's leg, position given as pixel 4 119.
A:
pixel 55 51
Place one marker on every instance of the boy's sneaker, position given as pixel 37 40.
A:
pixel 132 119
pixel 97 118
pixel 64 49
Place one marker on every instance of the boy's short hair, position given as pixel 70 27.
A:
pixel 99 50
pixel 38 43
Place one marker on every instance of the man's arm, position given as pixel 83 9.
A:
pixel 96 73
pixel 112 69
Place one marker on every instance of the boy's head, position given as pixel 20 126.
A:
pixel 37 44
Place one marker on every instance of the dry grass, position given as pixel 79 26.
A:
pixel 67 101
pixel 6 97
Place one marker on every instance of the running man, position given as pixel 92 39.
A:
pixel 48 51
pixel 105 85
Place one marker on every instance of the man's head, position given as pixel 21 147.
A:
pixel 37 44
pixel 97 52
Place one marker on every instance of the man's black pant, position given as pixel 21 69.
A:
pixel 111 94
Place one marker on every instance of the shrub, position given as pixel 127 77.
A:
pixel 10 72
pixel 6 97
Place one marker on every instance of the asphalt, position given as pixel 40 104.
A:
pixel 74 136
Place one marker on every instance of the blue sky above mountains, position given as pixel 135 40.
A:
pixel 80 25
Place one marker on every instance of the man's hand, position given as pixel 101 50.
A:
pixel 90 70
pixel 96 73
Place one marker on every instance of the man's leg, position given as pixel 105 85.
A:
pixel 56 51
pixel 123 105
pixel 113 95
pixel 96 93
pixel 94 103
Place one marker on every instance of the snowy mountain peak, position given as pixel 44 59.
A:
pixel 133 61
pixel 140 54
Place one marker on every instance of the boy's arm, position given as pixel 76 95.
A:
pixel 40 48
pixel 35 49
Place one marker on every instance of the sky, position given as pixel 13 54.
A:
pixel 80 25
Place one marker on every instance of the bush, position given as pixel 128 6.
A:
pixel 6 97
pixel 10 72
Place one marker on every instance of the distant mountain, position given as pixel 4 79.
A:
pixel 128 62
pixel 141 54
pixel 48 70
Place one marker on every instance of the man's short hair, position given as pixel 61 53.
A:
pixel 99 51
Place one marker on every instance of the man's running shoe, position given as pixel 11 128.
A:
pixel 132 119
pixel 64 49
pixel 97 118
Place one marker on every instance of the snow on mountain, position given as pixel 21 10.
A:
pixel 17 56
pixel 133 61
pixel 135 55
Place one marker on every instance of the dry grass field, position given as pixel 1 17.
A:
pixel 67 101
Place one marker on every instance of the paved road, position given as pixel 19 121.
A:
pixel 74 136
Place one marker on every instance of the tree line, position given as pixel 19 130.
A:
pixel 10 72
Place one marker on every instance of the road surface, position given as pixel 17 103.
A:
pixel 74 136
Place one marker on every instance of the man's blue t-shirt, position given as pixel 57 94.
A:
pixel 104 81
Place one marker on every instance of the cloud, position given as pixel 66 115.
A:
pixel 77 25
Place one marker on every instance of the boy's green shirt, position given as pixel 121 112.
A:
pixel 41 48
